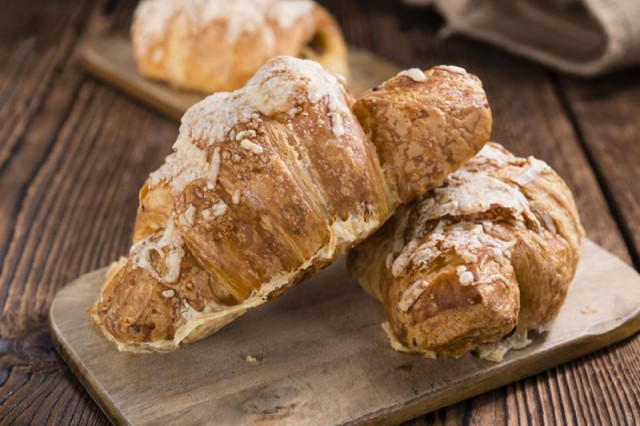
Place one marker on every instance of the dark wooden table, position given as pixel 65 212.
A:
pixel 73 153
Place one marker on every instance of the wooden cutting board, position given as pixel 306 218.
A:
pixel 111 59
pixel 321 357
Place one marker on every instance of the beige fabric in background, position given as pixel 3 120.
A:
pixel 584 37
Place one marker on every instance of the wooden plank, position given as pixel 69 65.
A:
pixel 77 215
pixel 605 113
pixel 34 98
pixel 39 83
pixel 322 340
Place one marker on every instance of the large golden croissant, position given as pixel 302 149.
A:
pixel 274 181
pixel 493 248
pixel 215 45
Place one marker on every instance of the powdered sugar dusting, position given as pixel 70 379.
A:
pixel 463 239
pixel 411 294
pixel 150 22
pixel 251 147
pixel 452 68
pixel 531 173
pixel 170 251
pixel 187 164
pixel 287 13
pixel 414 74
pixel 474 191
pixel 283 84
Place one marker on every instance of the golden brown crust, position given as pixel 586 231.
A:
pixel 266 185
pixel 495 246
pixel 217 45
pixel 425 124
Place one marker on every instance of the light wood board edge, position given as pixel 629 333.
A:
pixel 419 405
pixel 94 64
pixel 545 361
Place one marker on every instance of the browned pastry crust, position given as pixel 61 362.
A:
pixel 418 136
pixel 216 45
pixel 266 185
pixel 495 246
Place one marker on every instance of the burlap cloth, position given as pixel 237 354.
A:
pixel 584 37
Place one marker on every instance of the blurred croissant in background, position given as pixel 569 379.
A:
pixel 274 181
pixel 217 45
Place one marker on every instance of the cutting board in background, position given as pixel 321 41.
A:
pixel 111 59
pixel 317 355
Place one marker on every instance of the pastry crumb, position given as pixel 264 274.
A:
pixel 252 147
pixel 399 346
pixel 588 309
pixel 465 278
pixel 235 198
pixel 496 351
pixel 393 340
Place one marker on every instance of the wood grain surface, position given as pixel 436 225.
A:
pixel 285 362
pixel 605 114
pixel 73 153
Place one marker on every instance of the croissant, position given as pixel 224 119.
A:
pixel 488 253
pixel 271 182
pixel 217 45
